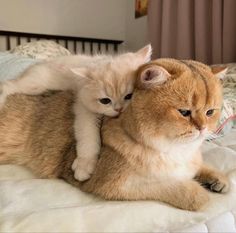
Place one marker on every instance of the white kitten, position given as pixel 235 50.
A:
pixel 103 85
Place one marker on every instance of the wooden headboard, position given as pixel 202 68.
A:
pixel 10 39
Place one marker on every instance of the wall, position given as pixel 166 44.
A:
pixel 136 29
pixel 86 18
pixel 107 19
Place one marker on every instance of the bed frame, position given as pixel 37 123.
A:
pixel 74 44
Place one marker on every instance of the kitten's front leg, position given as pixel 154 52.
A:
pixel 212 179
pixel 87 134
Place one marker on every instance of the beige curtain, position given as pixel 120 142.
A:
pixel 204 30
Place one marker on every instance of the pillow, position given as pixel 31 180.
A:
pixel 11 65
pixel 41 49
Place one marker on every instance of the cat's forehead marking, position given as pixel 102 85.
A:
pixel 198 73
pixel 115 84
pixel 114 78
pixel 202 87
pixel 194 83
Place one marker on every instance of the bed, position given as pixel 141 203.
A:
pixel 28 204
pixel 11 39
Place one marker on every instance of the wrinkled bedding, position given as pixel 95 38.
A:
pixel 36 205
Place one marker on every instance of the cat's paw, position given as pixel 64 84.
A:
pixel 83 168
pixel 217 182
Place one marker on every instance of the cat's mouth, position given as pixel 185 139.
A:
pixel 192 136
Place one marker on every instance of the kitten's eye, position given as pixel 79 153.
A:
pixel 129 96
pixel 105 101
pixel 210 112
pixel 184 112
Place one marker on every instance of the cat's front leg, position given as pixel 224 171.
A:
pixel 87 134
pixel 185 194
pixel 212 179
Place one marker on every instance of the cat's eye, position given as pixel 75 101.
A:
pixel 185 112
pixel 128 97
pixel 105 100
pixel 210 112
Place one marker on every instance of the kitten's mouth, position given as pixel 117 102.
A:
pixel 114 115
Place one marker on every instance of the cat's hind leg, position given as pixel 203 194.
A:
pixel 37 79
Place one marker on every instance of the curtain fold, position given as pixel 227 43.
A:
pixel 203 30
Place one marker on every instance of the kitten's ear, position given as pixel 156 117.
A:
pixel 80 72
pixel 145 54
pixel 152 76
pixel 219 71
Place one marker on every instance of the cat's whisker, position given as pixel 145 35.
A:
pixel 211 136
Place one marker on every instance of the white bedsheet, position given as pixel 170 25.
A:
pixel 36 205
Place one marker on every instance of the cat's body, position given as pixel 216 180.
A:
pixel 37 131
pixel 151 152
pixel 94 79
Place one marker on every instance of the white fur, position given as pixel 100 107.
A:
pixel 177 153
pixel 166 160
pixel 91 78
pixel 180 155
pixel 88 141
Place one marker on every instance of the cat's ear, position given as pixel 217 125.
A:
pixel 152 76
pixel 219 71
pixel 145 54
pixel 80 72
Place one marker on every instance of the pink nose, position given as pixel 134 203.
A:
pixel 202 129
pixel 118 109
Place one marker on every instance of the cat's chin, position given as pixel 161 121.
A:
pixel 191 138
pixel 114 114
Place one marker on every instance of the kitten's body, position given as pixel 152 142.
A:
pixel 92 78
pixel 151 152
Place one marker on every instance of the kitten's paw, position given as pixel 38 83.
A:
pixel 83 168
pixel 217 182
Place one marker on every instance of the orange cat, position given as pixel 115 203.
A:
pixel 151 152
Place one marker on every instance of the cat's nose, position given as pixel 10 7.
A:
pixel 118 110
pixel 202 129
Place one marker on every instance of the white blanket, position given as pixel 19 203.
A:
pixel 36 205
